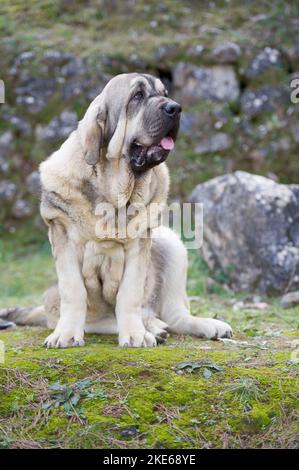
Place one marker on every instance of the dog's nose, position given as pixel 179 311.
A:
pixel 171 108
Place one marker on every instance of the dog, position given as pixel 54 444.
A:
pixel 132 285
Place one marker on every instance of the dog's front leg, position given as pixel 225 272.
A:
pixel 132 332
pixel 73 298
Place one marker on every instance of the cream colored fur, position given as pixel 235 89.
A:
pixel 135 286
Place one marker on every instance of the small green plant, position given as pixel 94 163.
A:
pixel 206 367
pixel 245 389
pixel 5 442
pixel 223 276
pixel 68 396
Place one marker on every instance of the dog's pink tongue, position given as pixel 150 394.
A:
pixel 167 143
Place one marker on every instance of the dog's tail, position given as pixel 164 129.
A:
pixel 33 316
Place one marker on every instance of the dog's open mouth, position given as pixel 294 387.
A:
pixel 142 158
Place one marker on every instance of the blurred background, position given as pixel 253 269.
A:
pixel 229 63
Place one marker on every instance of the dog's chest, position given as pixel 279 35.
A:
pixel 99 217
pixel 103 267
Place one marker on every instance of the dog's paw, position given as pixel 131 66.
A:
pixel 5 325
pixel 210 328
pixel 137 339
pixel 64 339
pixel 157 328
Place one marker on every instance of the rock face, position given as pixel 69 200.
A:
pixel 237 111
pixel 269 59
pixel 33 183
pixel 8 191
pixel 194 83
pixel 5 147
pixel 264 99
pixel 215 143
pixel 291 299
pixel 59 128
pixel 251 231
pixel 22 209
pixel 226 53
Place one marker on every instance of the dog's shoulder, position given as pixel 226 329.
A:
pixel 62 182
pixel 64 169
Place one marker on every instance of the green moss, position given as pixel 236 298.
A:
pixel 167 409
pixel 12 401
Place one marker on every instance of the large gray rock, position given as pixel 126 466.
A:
pixel 291 299
pixel 251 231
pixel 192 83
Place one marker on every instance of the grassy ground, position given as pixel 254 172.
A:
pixel 188 393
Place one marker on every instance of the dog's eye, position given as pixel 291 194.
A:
pixel 138 96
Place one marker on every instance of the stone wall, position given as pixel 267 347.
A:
pixel 236 103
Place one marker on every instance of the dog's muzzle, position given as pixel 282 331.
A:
pixel 143 157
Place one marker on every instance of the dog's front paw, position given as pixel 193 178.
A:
pixel 214 329
pixel 157 327
pixel 137 339
pixel 64 338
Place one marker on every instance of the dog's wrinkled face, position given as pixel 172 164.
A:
pixel 152 123
pixel 138 103
pixel 131 118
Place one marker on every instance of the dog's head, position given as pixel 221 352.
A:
pixel 132 118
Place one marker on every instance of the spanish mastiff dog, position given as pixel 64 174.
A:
pixel 135 285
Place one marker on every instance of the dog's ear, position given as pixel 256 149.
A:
pixel 115 147
pixel 91 130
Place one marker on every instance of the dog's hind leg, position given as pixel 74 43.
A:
pixel 45 315
pixel 170 256
pixel 33 316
